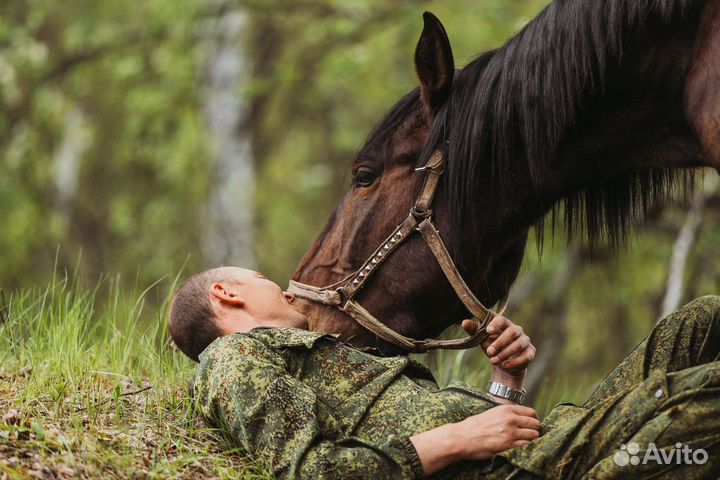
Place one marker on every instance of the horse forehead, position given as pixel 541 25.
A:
pixel 410 137
pixel 404 142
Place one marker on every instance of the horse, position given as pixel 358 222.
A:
pixel 595 110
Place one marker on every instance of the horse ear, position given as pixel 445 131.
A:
pixel 434 63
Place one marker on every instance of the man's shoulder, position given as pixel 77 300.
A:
pixel 229 348
pixel 260 340
pixel 290 337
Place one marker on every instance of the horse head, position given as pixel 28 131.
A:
pixel 410 287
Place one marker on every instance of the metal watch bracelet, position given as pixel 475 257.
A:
pixel 508 393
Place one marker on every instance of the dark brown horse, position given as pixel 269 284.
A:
pixel 596 106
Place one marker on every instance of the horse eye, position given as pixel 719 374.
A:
pixel 364 177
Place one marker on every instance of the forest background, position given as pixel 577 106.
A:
pixel 144 139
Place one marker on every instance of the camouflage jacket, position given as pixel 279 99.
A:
pixel 312 407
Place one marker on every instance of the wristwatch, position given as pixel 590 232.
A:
pixel 508 393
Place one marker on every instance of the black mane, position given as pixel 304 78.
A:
pixel 502 111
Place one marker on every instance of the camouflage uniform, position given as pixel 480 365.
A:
pixel 312 407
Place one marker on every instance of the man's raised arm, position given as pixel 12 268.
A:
pixel 482 436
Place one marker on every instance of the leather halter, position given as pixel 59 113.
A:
pixel 342 293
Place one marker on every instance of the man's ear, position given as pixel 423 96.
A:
pixel 434 64
pixel 226 295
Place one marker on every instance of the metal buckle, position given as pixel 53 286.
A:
pixel 420 214
pixel 428 168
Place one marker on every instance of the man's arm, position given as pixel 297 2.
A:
pixel 243 387
pixel 479 437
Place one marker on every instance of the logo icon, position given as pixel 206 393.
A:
pixel 627 455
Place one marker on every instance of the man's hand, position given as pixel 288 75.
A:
pixel 509 349
pixel 479 437
pixel 497 430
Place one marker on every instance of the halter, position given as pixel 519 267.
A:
pixel 341 294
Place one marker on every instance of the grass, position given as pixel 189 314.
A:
pixel 89 391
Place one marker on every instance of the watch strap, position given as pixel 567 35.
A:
pixel 508 393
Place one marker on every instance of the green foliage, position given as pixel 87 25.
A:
pixel 119 80
pixel 124 81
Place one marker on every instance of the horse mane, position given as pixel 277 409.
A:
pixel 517 101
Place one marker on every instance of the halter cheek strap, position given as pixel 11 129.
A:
pixel 342 293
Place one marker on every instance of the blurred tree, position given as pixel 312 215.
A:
pixel 101 137
pixel 228 233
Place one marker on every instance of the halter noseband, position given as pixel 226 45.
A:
pixel 342 293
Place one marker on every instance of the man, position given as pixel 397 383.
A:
pixel 312 407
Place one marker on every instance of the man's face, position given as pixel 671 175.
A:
pixel 263 299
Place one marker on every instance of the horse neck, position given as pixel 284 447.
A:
pixel 630 131
pixel 639 120
pixel 631 124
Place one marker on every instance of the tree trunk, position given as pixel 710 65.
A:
pixel 75 141
pixel 228 237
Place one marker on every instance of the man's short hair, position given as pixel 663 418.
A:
pixel 192 320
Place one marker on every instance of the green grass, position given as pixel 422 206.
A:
pixel 92 389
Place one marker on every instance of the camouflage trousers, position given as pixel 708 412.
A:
pixel 649 418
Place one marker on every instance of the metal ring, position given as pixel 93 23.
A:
pixel 420 214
